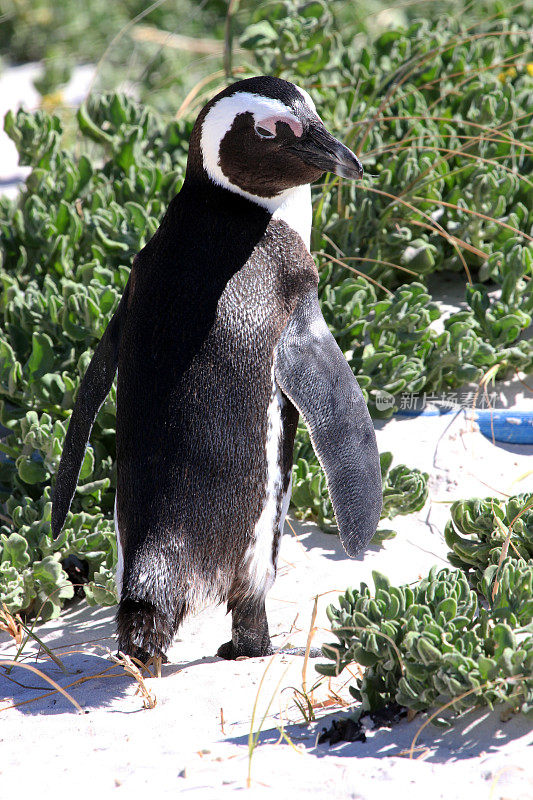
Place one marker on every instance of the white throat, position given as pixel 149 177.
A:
pixel 295 209
pixel 293 206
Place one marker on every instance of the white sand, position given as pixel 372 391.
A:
pixel 119 749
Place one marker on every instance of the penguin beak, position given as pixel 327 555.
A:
pixel 319 148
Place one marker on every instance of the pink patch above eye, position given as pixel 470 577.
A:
pixel 269 123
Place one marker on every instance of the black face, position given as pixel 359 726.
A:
pixel 266 162
pixel 263 166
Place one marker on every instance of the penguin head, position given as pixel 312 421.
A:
pixel 261 137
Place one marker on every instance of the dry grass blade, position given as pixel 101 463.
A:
pixel 482 137
pixel 358 272
pixel 38 672
pixel 463 154
pixel 476 125
pixel 144 13
pixel 12 625
pixel 507 533
pixel 477 214
pixel 380 261
pixel 284 736
pixel 467 74
pixel 131 669
pixel 30 634
pixel 332 243
pixel 287 520
pixel 456 171
pixel 310 636
pixel 498 64
pixel 435 225
pixel 406 140
pixel 528 387
pixel 419 61
pixel 465 245
pixel 105 673
pixel 498 775
pixel 489 375
pixel 253 736
pixel 522 477
pixel 194 93
pixel 148 33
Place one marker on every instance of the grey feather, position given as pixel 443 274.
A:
pixel 312 371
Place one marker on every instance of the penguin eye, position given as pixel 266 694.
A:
pixel 264 133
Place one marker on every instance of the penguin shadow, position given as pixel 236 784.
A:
pixel 82 640
pixel 479 734
pixel 311 537
pixel 91 680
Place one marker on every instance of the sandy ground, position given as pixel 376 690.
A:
pixel 196 738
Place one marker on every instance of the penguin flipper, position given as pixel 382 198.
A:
pixel 93 391
pixel 312 371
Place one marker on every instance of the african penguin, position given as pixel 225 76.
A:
pixel 220 344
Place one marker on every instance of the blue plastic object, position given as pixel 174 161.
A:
pixel 514 427
pixel 510 426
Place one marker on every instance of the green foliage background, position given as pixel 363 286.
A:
pixel 438 108
pixel 460 638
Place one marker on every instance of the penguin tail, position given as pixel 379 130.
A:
pixel 144 630
pixel 93 391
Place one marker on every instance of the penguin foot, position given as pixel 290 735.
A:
pixel 144 657
pixel 227 651
pixel 249 631
pixel 143 630
pixel 230 652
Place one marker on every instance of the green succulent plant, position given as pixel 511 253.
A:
pixel 61 35
pixel 509 591
pixel 462 637
pixel 430 644
pixel 32 577
pixel 405 489
pixel 478 529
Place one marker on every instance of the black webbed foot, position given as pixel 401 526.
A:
pixel 249 632
pixel 230 652
pixel 144 631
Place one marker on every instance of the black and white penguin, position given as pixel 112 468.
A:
pixel 220 344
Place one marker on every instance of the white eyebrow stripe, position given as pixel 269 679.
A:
pixel 307 97
pixel 219 120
